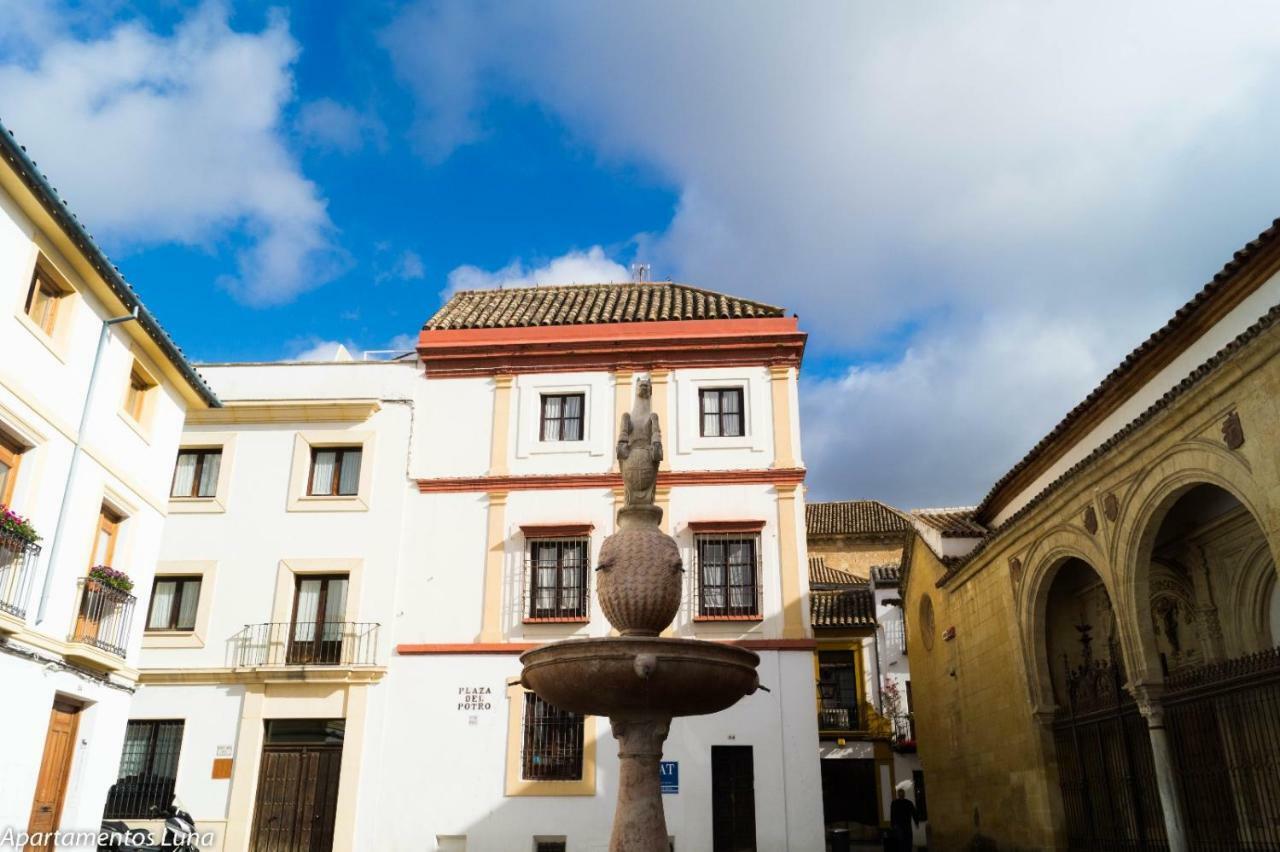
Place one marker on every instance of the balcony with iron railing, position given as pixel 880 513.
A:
pixel 104 619
pixel 841 719
pixel 18 558
pixel 336 644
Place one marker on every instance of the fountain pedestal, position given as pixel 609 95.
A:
pixel 639 825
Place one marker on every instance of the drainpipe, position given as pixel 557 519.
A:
pixel 56 548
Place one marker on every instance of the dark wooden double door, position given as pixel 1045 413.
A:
pixel 297 788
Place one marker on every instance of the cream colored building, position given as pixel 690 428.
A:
pixel 1094 646
pixel 93 395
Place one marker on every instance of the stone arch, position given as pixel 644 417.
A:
pixel 1254 600
pixel 1062 545
pixel 1143 511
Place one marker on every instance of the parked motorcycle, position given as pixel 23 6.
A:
pixel 179 833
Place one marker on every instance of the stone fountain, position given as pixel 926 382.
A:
pixel 638 679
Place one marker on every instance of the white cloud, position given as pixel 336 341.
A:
pixel 410 266
pixel 1081 166
pixel 177 138
pixel 319 349
pixel 592 266
pixel 325 123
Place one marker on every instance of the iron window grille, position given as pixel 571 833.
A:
pixel 895 633
pixel 553 742
pixel 838 692
pixel 196 473
pixel 148 769
pixel 728 575
pixel 335 471
pixel 562 417
pixel 721 412
pixel 556 579
pixel 174 601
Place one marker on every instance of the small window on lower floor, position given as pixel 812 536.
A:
pixel 553 742
pixel 728 575
pixel 559 845
pixel 174 601
pixel 148 769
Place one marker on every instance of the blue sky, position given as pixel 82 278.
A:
pixel 976 210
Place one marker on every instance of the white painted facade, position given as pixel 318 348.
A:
pixel 124 464
pixel 418 771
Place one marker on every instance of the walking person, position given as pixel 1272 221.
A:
pixel 902 816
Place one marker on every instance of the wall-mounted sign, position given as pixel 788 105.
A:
pixel 224 751
pixel 670 770
pixel 475 698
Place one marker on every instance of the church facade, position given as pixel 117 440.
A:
pixel 1093 647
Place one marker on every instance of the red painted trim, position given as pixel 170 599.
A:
pixel 601 346
pixel 556 530
pixel 558 481
pixel 409 650
pixel 704 618
pixel 726 526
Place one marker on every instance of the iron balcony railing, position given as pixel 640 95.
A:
pixel 307 643
pixel 839 719
pixel 104 617
pixel 17 567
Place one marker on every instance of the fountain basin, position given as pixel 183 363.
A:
pixel 625 677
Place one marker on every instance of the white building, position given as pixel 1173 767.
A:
pixel 487 483
pixel 92 399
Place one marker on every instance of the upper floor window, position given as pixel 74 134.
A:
pixel 104 542
pixel 553 742
pixel 728 575
pixel 174 601
pixel 557 578
pixel 838 695
pixel 561 417
pixel 721 412
pixel 148 769
pixel 335 471
pixel 42 301
pixel 10 458
pixel 138 396
pixel 196 473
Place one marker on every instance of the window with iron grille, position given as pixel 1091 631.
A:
pixel 553 742
pixel 148 768
pixel 561 417
pixel 196 473
pixel 721 412
pixel 556 578
pixel 173 603
pixel 838 691
pixel 728 575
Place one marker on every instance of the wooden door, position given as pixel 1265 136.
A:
pixel 55 768
pixel 297 798
pixel 733 799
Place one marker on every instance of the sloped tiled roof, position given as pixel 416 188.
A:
pixel 952 523
pixel 842 608
pixel 852 517
pixel 887 574
pixel 579 304
pixel 821 575
pixel 1185 317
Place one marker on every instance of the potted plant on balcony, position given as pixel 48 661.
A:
pixel 14 526
pixel 107 576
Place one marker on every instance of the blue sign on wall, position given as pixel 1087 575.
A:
pixel 670 770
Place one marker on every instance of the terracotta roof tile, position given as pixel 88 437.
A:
pixel 842 608
pixel 821 575
pixel 952 523
pixel 886 573
pixel 852 517
pixel 578 304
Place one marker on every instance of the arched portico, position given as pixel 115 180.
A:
pixel 1197 580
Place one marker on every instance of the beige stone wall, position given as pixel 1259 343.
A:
pixel 853 554
pixel 984 700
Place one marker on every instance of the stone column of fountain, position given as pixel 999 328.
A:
pixel 637 679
